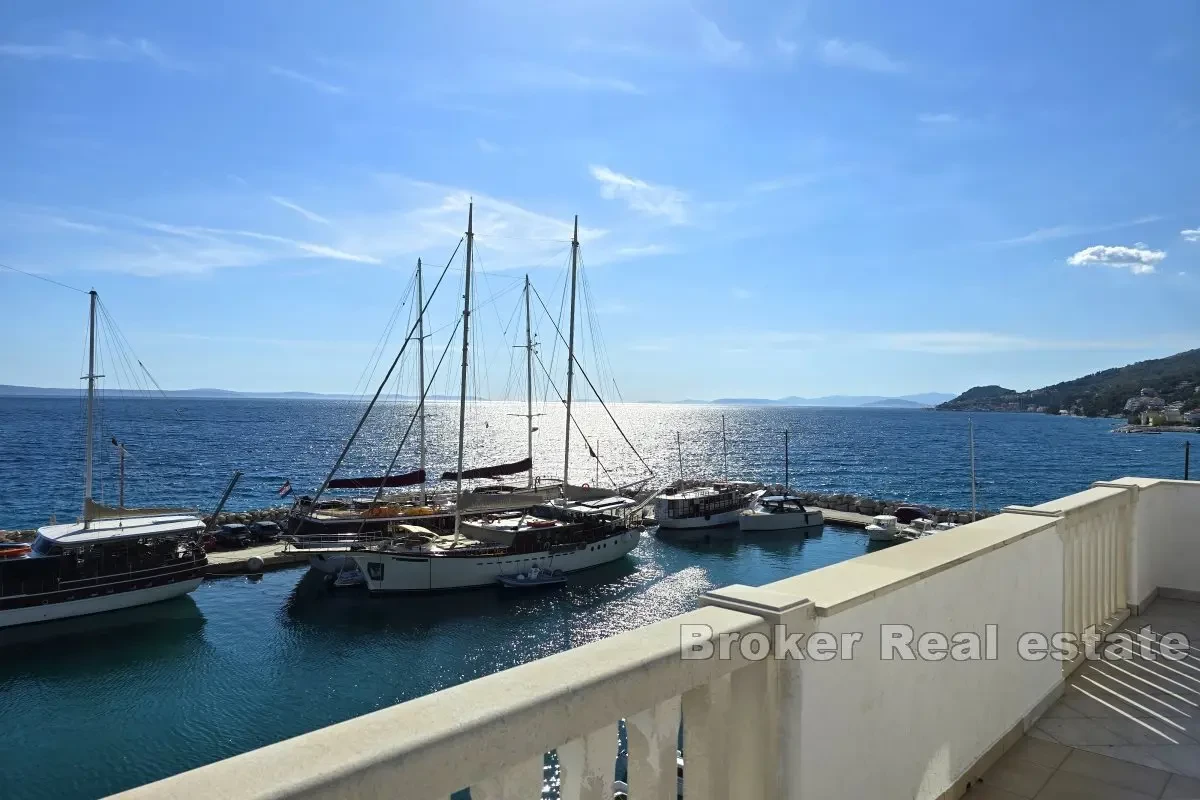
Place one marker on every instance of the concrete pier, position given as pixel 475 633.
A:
pixel 233 562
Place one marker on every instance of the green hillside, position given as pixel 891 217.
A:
pixel 1103 393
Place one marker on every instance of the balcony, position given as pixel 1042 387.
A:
pixel 970 662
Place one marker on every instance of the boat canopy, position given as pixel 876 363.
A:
pixel 524 465
pixel 123 528
pixel 389 481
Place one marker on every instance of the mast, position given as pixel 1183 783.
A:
pixel 971 433
pixel 421 369
pixel 785 463
pixel 724 450
pixel 571 353
pixel 91 400
pixel 462 400
pixel 679 449
pixel 529 379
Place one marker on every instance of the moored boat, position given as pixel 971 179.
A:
pixel 780 512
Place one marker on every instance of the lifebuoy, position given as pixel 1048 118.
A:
pixel 586 486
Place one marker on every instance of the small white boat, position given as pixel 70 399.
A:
pixel 882 528
pixel 779 513
pixel 350 575
pixel 534 578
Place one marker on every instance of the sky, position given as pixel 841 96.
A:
pixel 775 198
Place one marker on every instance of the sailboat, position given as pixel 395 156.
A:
pixel 704 505
pixel 569 535
pixel 782 511
pixel 112 558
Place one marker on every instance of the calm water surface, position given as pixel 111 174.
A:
pixel 95 705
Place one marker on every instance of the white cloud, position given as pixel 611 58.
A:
pixel 1063 231
pixel 299 77
pixel 857 55
pixel 312 216
pixel 543 77
pixel 643 197
pixel 643 250
pixel 486 146
pixel 1138 260
pixel 75 46
pixel 940 118
pixel 717 47
pixel 1192 235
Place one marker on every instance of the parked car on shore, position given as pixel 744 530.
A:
pixel 233 536
pixel 264 531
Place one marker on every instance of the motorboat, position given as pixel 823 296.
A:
pixel 534 578
pixel 883 528
pixel 779 513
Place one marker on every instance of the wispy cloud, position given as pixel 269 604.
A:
pixel 1138 260
pixel 642 251
pixel 645 198
pixel 312 216
pixel 75 46
pixel 486 146
pixel 717 47
pixel 307 80
pixel 1191 235
pixel 1063 231
pixel 939 118
pixel 545 77
pixel 858 55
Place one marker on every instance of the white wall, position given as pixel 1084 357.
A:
pixel 873 728
pixel 1166 542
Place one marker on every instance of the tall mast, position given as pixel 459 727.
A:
pixel 971 432
pixel 679 449
pixel 421 370
pixel 724 450
pixel 91 400
pixel 785 463
pixel 571 353
pixel 529 379
pixel 462 400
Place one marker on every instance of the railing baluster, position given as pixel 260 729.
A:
pixel 522 782
pixel 586 765
pixel 653 736
pixel 1080 583
pixel 754 732
pixel 1070 578
pixel 706 741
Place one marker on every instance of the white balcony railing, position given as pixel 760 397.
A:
pixel 858 724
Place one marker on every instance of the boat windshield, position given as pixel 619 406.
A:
pixel 45 547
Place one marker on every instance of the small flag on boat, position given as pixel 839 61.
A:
pixel 286 489
pixel 591 452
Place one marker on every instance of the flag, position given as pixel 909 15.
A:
pixel 591 452
pixel 114 441
pixel 286 489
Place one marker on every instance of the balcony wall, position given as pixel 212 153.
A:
pixel 755 729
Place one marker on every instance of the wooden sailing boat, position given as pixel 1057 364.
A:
pixel 112 558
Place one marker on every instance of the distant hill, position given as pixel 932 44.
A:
pixel 894 402
pixel 201 394
pixel 1103 393
pixel 839 401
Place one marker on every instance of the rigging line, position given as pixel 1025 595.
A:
pixel 583 372
pixel 44 278
pixel 381 344
pixel 122 339
pixel 383 383
pixel 522 238
pixel 575 422
pixel 121 363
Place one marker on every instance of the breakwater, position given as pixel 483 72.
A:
pixel 870 507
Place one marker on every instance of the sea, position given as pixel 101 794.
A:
pixel 95 705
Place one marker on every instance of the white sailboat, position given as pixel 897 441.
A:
pixel 780 512
pixel 112 558
pixel 568 536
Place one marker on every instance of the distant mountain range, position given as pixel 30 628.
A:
pixel 1102 394
pixel 202 394
pixel 838 401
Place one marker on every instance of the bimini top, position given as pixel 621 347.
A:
pixel 121 528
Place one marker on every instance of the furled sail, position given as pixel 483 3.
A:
pixel 524 465
pixel 94 510
pixel 390 481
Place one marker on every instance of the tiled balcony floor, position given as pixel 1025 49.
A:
pixel 1126 730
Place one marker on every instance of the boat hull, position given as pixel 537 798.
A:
pixel 405 572
pixel 786 521
pixel 710 521
pixel 328 563
pixel 98 604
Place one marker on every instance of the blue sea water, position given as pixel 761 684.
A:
pixel 94 705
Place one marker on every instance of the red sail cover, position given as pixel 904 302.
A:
pixel 391 481
pixel 524 465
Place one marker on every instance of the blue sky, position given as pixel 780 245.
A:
pixel 776 198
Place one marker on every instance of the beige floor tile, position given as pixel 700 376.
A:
pixel 1117 772
pixel 1069 786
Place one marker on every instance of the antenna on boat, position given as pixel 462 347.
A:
pixel 91 399
pixel 462 400
pixel 421 369
pixel 571 354
pixel 971 440
pixel 724 450
pixel 679 450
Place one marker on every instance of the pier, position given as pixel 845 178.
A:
pixel 274 555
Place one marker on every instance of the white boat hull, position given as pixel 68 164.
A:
pixel 96 605
pixel 786 521
pixel 711 521
pixel 329 563
pixel 881 534
pixel 415 572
